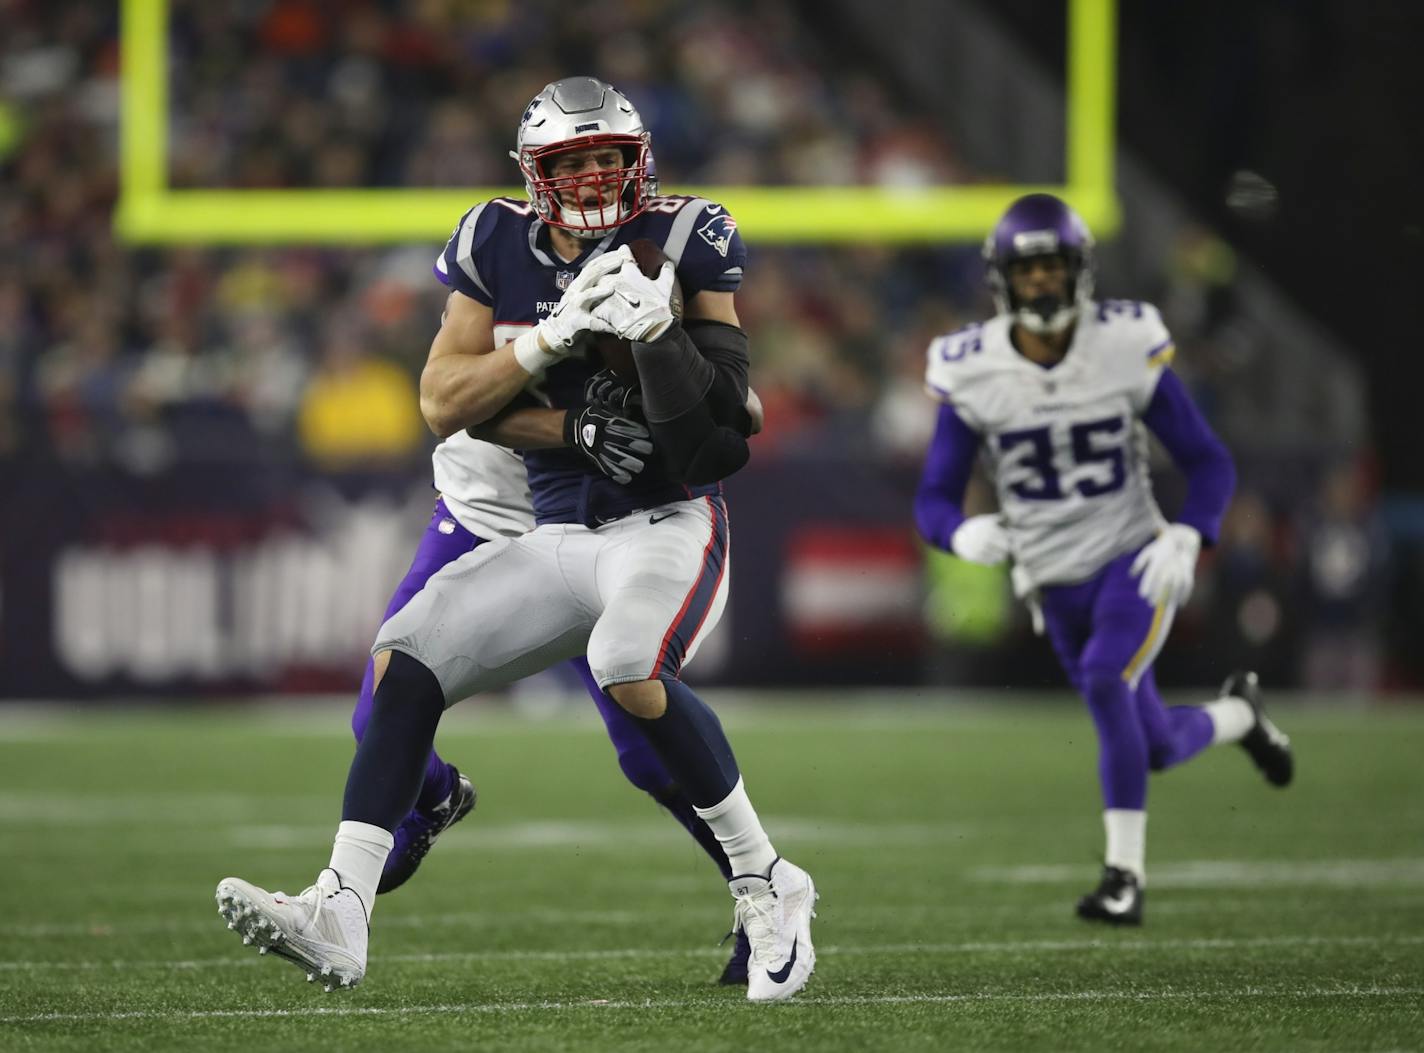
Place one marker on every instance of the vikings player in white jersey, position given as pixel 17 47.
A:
pixel 628 568
pixel 1054 394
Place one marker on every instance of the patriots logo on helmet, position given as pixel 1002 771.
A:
pixel 718 232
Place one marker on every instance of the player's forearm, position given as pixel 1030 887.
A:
pixel 939 502
pixel 695 399
pixel 524 428
pixel 1210 483
pixel 1194 448
pixel 755 411
pixel 460 391
pixel 937 517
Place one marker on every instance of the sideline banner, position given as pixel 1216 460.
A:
pixel 249 581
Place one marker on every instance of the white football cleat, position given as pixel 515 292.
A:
pixel 775 912
pixel 324 930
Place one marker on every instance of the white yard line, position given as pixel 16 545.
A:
pixel 931 914
pixel 409 921
pixel 240 959
pixel 219 817
pixel 617 836
pixel 1292 993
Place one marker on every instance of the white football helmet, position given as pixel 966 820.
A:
pixel 579 113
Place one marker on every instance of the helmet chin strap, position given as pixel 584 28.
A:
pixel 587 233
pixel 590 233
pixel 1046 318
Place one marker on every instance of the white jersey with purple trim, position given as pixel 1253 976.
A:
pixel 1064 445
pixel 486 487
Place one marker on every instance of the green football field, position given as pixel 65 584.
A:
pixel 948 843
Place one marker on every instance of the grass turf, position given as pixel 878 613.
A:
pixel 568 913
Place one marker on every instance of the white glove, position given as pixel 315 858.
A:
pixel 554 337
pixel 981 539
pixel 636 307
pixel 1168 565
pixel 1026 590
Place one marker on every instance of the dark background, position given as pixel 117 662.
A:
pixel 212 468
pixel 1323 99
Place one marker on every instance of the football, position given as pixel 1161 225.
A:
pixel 617 354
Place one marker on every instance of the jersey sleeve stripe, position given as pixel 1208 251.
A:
pixel 463 245
pixel 937 392
pixel 681 229
pixel 1166 347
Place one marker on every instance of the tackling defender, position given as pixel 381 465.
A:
pixel 484 494
pixel 1053 392
pixel 632 574
pixel 480 500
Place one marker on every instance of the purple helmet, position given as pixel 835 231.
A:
pixel 1040 225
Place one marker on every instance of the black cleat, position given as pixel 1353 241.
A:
pixel 1268 746
pixel 735 974
pixel 1117 900
pixel 418 830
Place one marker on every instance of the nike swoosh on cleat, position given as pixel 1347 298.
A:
pixel 784 973
pixel 1117 904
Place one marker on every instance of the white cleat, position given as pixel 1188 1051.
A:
pixel 775 912
pixel 323 931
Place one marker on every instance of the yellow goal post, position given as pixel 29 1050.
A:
pixel 150 212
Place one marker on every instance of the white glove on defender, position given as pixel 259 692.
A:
pixel 571 317
pixel 1168 565
pixel 981 539
pixel 637 307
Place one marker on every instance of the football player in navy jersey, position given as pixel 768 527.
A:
pixel 484 493
pixel 628 561
pixel 1054 393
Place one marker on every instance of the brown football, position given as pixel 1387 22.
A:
pixel 617 354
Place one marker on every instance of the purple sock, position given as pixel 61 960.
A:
pixel 444 541
pixel 1122 747
pixel 1174 733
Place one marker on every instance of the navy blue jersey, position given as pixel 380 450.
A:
pixel 500 255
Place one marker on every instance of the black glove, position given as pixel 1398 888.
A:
pixel 612 394
pixel 617 446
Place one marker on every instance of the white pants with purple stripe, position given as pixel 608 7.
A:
pixel 636 595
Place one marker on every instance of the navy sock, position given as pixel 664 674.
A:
pixel 389 767
pixel 675 801
pixel 693 747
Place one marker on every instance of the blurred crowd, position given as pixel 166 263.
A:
pixel 139 360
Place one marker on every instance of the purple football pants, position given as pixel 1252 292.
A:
pixel 446 540
pixel 1106 636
